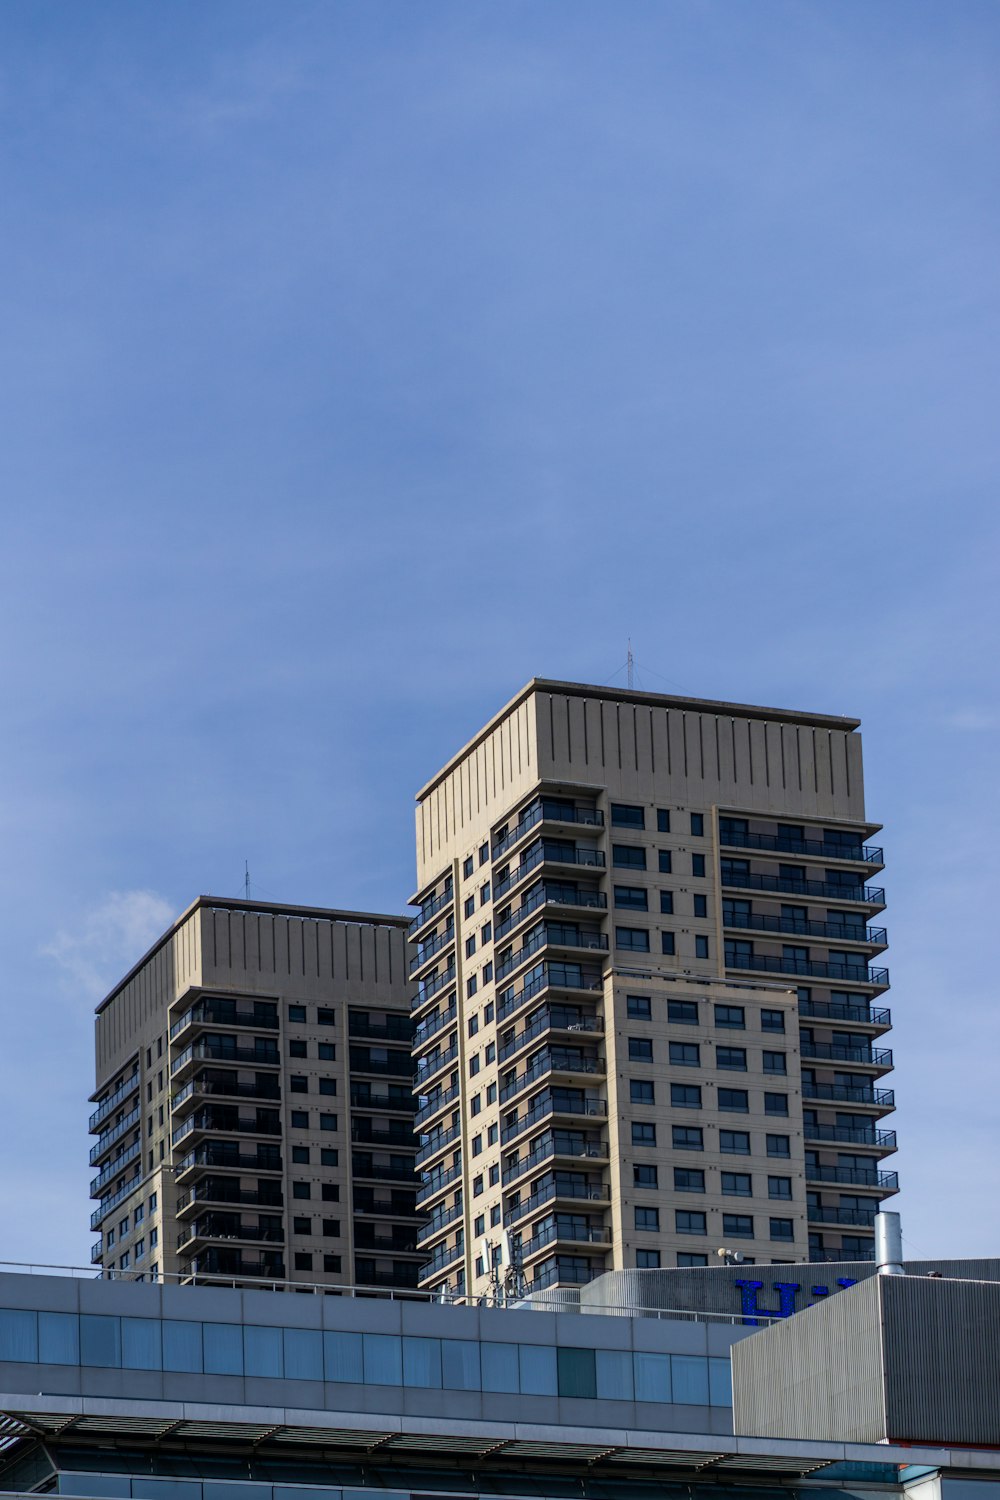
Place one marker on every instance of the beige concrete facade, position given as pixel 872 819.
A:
pixel 253 1108
pixel 646 1008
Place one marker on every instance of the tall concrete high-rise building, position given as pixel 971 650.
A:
pixel 649 1019
pixel 253 1108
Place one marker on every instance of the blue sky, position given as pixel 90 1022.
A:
pixel 359 361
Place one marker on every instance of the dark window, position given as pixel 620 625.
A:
pixel 697 864
pixel 662 820
pixel 685 1054
pixel 640 1049
pixel 663 859
pixel 734 1058
pixel 776 1104
pixel 328 1122
pixel 774 1062
pixel 301 1190
pixel 701 906
pixel 666 903
pixel 484 893
pixel 735 1142
pixel 327 1052
pixel 641 1091
pixel 300 1119
pixel 645 1175
pixel 302 1226
pixel 647 1260
pixel 686 1258
pixel 468 866
pixel 700 946
pixel 688 1221
pixel 647 1218
pixel 782 1229
pixel 633 897
pixel 737 1184
pixel 331 1229
pixel 297 1048
pixel 687 1138
pixel 732 1016
pixel 685 1095
pixel 779 1145
pixel 300 1154
pixel 635 939
pixel 689 1180
pixel 298 1084
pixel 331 1263
pixel 328 1085
pixel 624 816
pixel 470 906
pixel 326 1017
pixel 779 1187
pixel 484 853
pixel 628 856
pixel 698 824
pixel 297 1013
pixel 737 1226
pixel 734 1101
pixel 667 943
pixel 638 1008
pixel 330 1192
pixel 772 1020
pixel 684 1012
pixel 303 1261
pixel 643 1134
pixel 470 946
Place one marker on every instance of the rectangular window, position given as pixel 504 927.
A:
pixel 698 824
pixel 700 946
pixel 301 1190
pixel 662 820
pixel 468 867
pixel 735 1142
pixel 772 1020
pixel 484 854
pixel 687 1258
pixel 643 1134
pixel 471 985
pixel 701 906
pixel 666 903
pixel 737 1226
pixel 690 1221
pixel 667 943
pixel 634 939
pixel 685 1095
pixel 697 864
pixel 326 1017
pixel 685 1054
pixel 298 1083
pixel 683 1012
pixel 733 1058
pixel 664 862
pixel 326 1051
pixel 689 1180
pixel 737 1184
pixel 470 946
pixel 647 1260
pixel 641 1091
pixel 329 1157
pixel 735 1101
pixel 732 1016
pixel 297 1013
pixel 778 1145
pixel 776 1104
pixel 300 1119
pixel 774 1062
pixel 638 1008
pixel 644 1175
pixel 782 1229
pixel 297 1049
pixel 327 1122
pixel 647 1218
pixel 687 1138
pixel 328 1085
pixel 469 906
pixel 624 816
pixel 779 1187
pixel 640 1049
pixel 632 897
pixel 628 856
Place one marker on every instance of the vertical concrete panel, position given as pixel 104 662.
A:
pixel 757 753
pixel 577 732
pixel 824 765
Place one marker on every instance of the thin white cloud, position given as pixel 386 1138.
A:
pixel 973 720
pixel 108 938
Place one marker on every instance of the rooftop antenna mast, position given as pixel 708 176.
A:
pixel 631 666
pixel 246 878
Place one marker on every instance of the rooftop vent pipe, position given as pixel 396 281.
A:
pixel 888 1245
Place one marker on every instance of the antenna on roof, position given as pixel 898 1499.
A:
pixel 246 878
pixel 631 666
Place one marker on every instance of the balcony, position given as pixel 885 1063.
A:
pixel 397 1241
pixel 225 1013
pixel 97 1252
pixel 227 1088
pixel 839 1257
pixel 547 853
pixel 836 932
pixel 863 1218
pixel 390 1028
pixel 403 1279
pixel 226 1123
pixel 362 1098
pixel 231 1264
pixel 439 1222
pixel 114 1168
pixel 809 968
pixel 377 1172
pixel 227 1227
pixel 864 1057
pixel 564 1273
pixel 437 1143
pixel 553 1060
pixel 544 895
pixel 429 1066
pixel 877 1140
pixel 541 1109
pixel 588 1192
pixel 434 945
pixel 429 910
pixel 363 1133
pixel 551 1018
pixel 107 1205
pixel 445 1257
pixel 428 988
pixel 433 1024
pixel 839 1093
pixel 227 1191
pixel 557 936
pixel 820 890
pixel 857 1015
pixel 220 1158
pixel 435 1104
pixel 110 1104
pixel 546 976
pixel 547 810
pixel 772 843
pixel 565 1232
pixel 225 1050
pixel 110 1137
pixel 855 1177
pixel 398 1064
pixel 437 1183
pixel 558 1144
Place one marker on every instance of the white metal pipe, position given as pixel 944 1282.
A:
pixel 888 1245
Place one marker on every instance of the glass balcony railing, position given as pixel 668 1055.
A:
pixel 547 853
pixel 855 1217
pixel 587 1192
pixel 881 1140
pixel 445 1257
pixel 551 1018
pixel 426 951
pixel 428 1066
pixel 555 1144
pixel 108 1204
pixel 822 890
pixel 437 1143
pixel 863 1177
pixel 548 976
pixel 433 1024
pixel 840 1093
pixel 809 968
pixel 552 935
pixel 553 1060
pixel 547 811
pixel 440 1180
pixel 859 853
pixel 428 988
pixel 114 1168
pixel 226 1051
pixel 858 1015
pixel 221 1013
pixel 542 1108
pixel 435 1103
pixel 874 1057
pixel 438 1223
pixel 836 932
pixel 839 1257
pixel 549 894
pixel 108 1139
pixel 430 909
pixel 108 1106
pixel 583 1234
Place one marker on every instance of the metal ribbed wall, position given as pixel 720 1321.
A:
pixel 818 1375
pixel 942 1359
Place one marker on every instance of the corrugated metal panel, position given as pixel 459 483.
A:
pixel 942 1355
pixel 817 1375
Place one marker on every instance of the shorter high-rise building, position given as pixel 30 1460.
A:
pixel 253 1108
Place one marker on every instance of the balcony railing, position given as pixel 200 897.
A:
pixel 886 1182
pixel 773 843
pixel 113 1168
pixel 398 1064
pixel 444 1257
pixel 839 1093
pixel 109 1138
pixel 227 1192
pixel 834 1215
pixel 428 1066
pixel 97 1252
pixel 823 890
pixel 552 1061
pixel 108 1106
pixel 548 812
pixel 839 1257
pixel 589 1192
pixel 437 1143
pixel 880 1140
pixel 207 1012
pixel 768 963
pixel 440 1180
pixel 435 1103
pixel 438 1222
pixel 226 1125
pixel 226 1263
pixel 858 1015
pixel 433 1024
pixel 577 1233
pixel 211 1228
pixel 226 1088
pixel 543 853
pixel 591 940
pixel 213 1156
pixel 873 1057
pixel 430 910
pixel 379 1173
pixel 385 1028
pixel 548 976
pixel 107 1204
pixel 431 987
pixel 554 1145
pixel 837 932
pixel 541 1108
pixel 426 951
pixel 551 1018
pixel 543 896
pixel 362 1098
pixel 228 1052
pixel 553 1271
